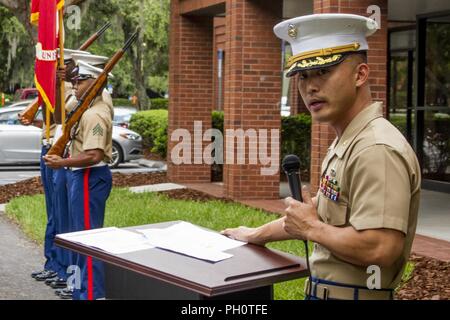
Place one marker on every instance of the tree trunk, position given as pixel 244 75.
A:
pixel 136 54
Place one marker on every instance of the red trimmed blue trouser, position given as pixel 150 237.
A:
pixel 88 191
pixel 50 229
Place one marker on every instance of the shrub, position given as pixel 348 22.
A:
pixel 152 126
pixel 296 139
pixel 159 103
pixel 217 120
pixel 122 102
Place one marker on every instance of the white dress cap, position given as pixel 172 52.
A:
pixel 85 69
pixel 69 52
pixel 322 40
pixel 90 59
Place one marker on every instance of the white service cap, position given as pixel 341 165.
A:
pixel 90 59
pixel 86 70
pixel 322 40
pixel 68 53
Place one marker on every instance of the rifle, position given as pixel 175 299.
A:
pixel 30 112
pixel 87 99
pixel 94 37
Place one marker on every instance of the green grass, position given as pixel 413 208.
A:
pixel 131 209
pixel 407 274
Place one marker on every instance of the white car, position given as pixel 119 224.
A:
pixel 22 144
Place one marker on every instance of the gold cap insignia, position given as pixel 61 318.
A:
pixel 292 31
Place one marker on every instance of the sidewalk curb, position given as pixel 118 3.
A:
pixel 2 208
pixel 152 163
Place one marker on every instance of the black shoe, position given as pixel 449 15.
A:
pixel 48 281
pixel 46 275
pixel 35 273
pixel 64 293
pixel 59 283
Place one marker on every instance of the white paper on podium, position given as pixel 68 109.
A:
pixel 191 240
pixel 112 240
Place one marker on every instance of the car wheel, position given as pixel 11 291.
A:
pixel 117 155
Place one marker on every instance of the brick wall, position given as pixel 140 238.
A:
pixel 322 135
pixel 252 88
pixel 190 86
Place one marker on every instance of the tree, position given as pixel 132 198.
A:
pixel 18 38
pixel 147 61
pixel 149 55
pixel 21 10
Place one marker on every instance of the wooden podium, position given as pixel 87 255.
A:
pixel 164 275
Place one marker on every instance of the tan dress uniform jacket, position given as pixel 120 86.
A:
pixel 94 130
pixel 370 180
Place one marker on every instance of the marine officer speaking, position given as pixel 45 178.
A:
pixel 365 213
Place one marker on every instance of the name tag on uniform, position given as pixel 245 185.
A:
pixel 330 187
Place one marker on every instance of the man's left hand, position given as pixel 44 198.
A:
pixel 300 216
pixel 53 161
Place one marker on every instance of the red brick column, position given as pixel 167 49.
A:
pixel 252 89
pixel 322 135
pixel 190 87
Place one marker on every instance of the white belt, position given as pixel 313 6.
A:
pixel 100 164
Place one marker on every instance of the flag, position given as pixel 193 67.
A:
pixel 44 15
pixel 34 18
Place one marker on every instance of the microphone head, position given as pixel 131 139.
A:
pixel 290 163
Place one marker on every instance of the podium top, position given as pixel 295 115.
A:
pixel 250 267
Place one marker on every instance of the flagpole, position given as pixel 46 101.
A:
pixel 61 63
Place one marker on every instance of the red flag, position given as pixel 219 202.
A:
pixel 34 18
pixel 46 55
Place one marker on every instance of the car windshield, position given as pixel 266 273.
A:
pixel 122 118
pixel 12 117
pixel 9 118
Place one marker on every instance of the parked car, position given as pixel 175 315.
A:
pixel 22 144
pixel 122 116
pixel 25 94
pixel 23 103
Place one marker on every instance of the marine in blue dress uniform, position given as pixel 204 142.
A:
pixel 90 180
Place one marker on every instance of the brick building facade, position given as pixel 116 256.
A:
pixel 252 80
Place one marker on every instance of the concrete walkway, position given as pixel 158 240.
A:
pixel 19 257
pixel 434 215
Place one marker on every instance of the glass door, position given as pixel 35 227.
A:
pixel 401 80
pixel 433 100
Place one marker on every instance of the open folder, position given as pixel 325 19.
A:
pixel 192 240
pixel 183 237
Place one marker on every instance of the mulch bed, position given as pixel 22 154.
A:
pixel 33 186
pixel 430 279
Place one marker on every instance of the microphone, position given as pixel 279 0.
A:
pixel 291 166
